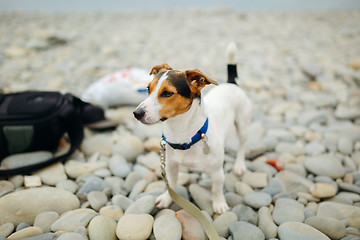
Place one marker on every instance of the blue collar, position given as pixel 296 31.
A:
pixel 194 139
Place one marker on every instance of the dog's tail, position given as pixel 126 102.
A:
pixel 231 67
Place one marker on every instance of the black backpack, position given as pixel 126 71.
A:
pixel 34 121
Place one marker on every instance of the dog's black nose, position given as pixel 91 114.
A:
pixel 139 113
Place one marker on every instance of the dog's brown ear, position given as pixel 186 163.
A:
pixel 197 80
pixel 160 68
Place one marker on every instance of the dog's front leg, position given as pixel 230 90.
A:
pixel 219 203
pixel 164 200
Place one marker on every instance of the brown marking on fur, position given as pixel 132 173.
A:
pixel 174 105
pixel 197 80
pixel 160 68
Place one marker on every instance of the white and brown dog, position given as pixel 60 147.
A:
pixel 196 128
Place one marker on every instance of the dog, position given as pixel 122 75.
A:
pixel 195 128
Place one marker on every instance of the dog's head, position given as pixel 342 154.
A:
pixel 170 93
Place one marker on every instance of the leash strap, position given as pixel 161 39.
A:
pixel 184 203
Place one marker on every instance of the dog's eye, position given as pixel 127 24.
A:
pixel 148 89
pixel 166 94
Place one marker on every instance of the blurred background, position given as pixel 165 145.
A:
pixel 68 45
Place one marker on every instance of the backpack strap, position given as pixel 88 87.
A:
pixel 75 130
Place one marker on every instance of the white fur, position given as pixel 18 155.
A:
pixel 225 106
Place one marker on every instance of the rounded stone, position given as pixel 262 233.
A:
pixel 243 230
pixel 25 233
pixel 112 211
pixel 299 231
pixel 222 223
pixel 102 228
pixel 242 188
pixel 52 174
pixel 144 204
pixel 286 210
pixel 6 229
pixel 167 227
pixel 68 185
pixel 257 199
pixel 45 219
pixel 134 226
pixel 76 168
pixel 71 220
pixel 327 165
pixel 331 227
pixel 97 200
pixel 266 223
pixel 191 227
pixel 24 205
pixel 322 190
pixel 345 145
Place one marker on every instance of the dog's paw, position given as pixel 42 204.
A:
pixel 239 168
pixel 220 207
pixel 163 201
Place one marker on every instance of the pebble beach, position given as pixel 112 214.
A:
pixel 301 70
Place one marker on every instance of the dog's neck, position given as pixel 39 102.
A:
pixel 181 128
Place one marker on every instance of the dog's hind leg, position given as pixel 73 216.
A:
pixel 241 127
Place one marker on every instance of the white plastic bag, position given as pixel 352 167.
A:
pixel 124 87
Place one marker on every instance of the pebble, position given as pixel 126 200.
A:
pixel 112 211
pixel 121 201
pixel 298 231
pixel 255 179
pixel 102 228
pixel 245 213
pixel 45 219
pixel 25 233
pixel 6 186
pixel 45 236
pixel 322 190
pixel 17 160
pixel 68 185
pixel 76 168
pixel 274 187
pixel 167 227
pixel 97 200
pixel 202 198
pixel 287 210
pixel 72 236
pixel 134 226
pixel 257 199
pixel 6 229
pixel 341 212
pixel 294 182
pixel 71 220
pixel 119 166
pixel 142 205
pixel 314 148
pixel 345 145
pixel 331 227
pixel 243 230
pixel 266 223
pixel 349 187
pixel 222 223
pixel 327 165
pixel 191 227
pixel 32 181
pixel 93 183
pixel 100 143
pixel 31 202
pixel 52 174
pixel 242 188
pixel 129 146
